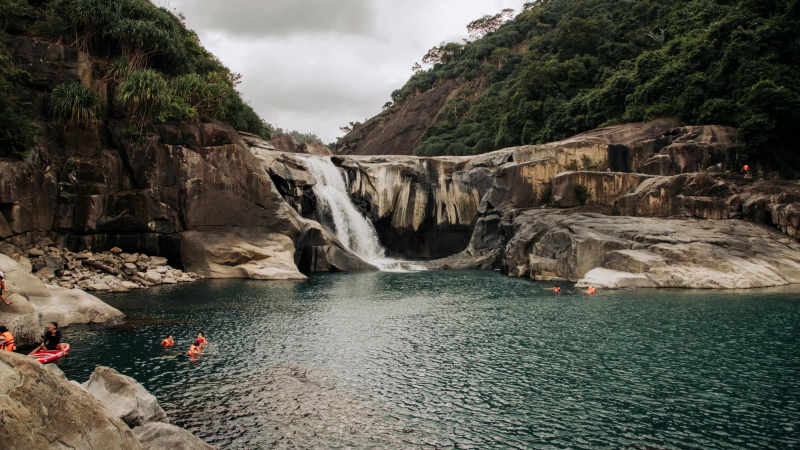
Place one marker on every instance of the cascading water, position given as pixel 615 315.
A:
pixel 353 230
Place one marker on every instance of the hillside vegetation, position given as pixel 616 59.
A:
pixel 156 67
pixel 562 67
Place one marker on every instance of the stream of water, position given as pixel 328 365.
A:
pixel 459 360
pixel 354 231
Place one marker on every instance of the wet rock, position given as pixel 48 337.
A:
pixel 124 397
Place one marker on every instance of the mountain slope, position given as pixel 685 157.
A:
pixel 566 66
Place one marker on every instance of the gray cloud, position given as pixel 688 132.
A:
pixel 279 17
pixel 315 65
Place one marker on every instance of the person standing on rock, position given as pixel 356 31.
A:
pixel 7 341
pixel 51 339
pixel 3 288
pixel 746 170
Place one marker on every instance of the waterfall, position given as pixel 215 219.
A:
pixel 354 231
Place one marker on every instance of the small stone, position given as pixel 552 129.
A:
pixel 162 269
pixel 35 253
pixel 144 258
pixel 116 251
pixel 45 274
pixel 84 283
pixel 109 278
pixel 131 259
pixel 120 288
pixel 169 281
pixel 83 255
pixel 185 278
pixel 153 276
pixel 98 287
pixel 129 285
pixel 158 261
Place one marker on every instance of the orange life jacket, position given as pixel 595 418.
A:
pixel 167 343
pixel 9 344
pixel 746 167
pixel 591 291
pixel 194 351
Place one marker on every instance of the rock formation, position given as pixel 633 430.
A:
pixel 124 397
pixel 43 411
pixel 35 304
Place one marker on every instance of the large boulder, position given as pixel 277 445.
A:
pixel 314 148
pixel 70 306
pixel 284 143
pixel 35 304
pixel 41 410
pixel 124 397
pixel 648 252
pixel 163 436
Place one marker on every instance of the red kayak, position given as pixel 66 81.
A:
pixel 50 355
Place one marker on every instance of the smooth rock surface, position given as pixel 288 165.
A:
pixel 124 397
pixel 43 411
pixel 163 436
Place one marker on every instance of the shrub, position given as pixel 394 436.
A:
pixel 144 94
pixel 17 132
pixel 582 193
pixel 74 104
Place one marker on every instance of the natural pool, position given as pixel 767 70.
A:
pixel 459 360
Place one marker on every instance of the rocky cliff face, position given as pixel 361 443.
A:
pixel 194 193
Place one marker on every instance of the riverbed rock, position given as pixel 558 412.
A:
pixel 70 306
pixel 41 410
pixel 647 252
pixel 163 436
pixel 124 397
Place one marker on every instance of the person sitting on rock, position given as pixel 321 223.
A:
pixel 168 342
pixel 7 341
pixel 51 339
pixel 591 290
pixel 2 288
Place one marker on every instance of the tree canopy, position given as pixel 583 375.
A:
pixel 562 67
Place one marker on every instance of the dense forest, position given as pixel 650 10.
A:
pixel 561 67
pixel 158 69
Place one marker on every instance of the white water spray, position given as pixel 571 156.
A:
pixel 353 230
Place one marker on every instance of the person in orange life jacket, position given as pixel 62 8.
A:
pixel 168 342
pixel 746 170
pixel 7 341
pixel 194 350
pixel 201 340
pixel 2 288
pixel 557 289
pixel 51 339
pixel 591 290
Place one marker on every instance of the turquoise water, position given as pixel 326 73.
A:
pixel 463 360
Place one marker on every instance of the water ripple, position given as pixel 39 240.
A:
pixel 460 360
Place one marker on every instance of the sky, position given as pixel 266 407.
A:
pixel 316 65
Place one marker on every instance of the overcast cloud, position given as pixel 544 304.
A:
pixel 315 65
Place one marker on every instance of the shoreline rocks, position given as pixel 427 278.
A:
pixel 109 412
pixel 113 271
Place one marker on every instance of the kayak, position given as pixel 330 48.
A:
pixel 50 355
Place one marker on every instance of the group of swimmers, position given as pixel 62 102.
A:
pixel 589 290
pixel 194 349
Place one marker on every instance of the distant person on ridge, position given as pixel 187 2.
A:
pixel 746 170
pixel 2 288
pixel 7 341
pixel 51 339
